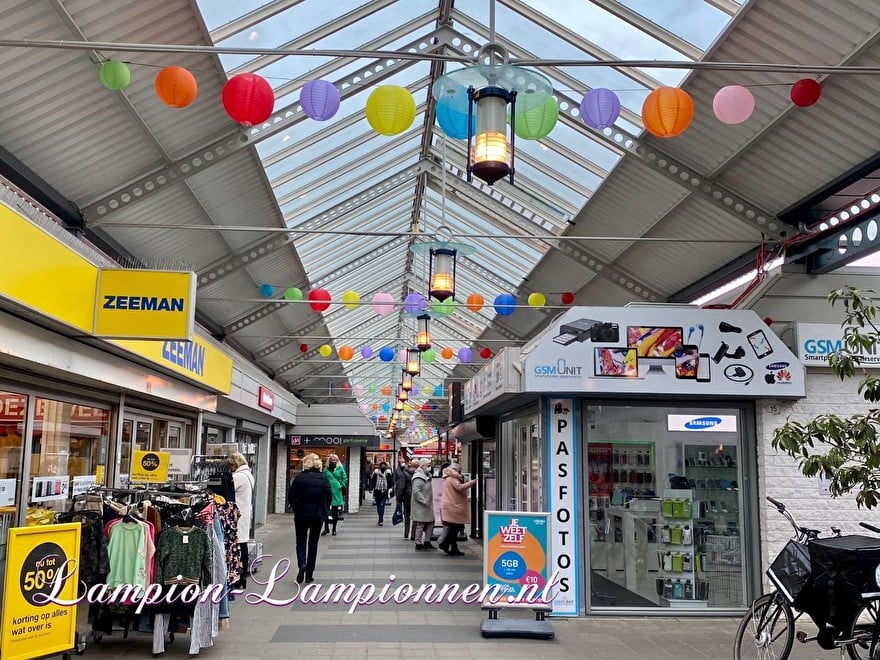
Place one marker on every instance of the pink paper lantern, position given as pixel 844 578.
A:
pixel 383 303
pixel 733 104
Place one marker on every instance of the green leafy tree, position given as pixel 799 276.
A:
pixel 845 449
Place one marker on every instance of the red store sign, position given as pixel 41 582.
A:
pixel 13 407
pixel 266 399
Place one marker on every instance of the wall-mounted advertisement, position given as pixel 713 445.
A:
pixel 670 350
pixel 817 341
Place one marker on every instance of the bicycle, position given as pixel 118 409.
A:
pixel 767 631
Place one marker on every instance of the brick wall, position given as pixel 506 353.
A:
pixel 779 476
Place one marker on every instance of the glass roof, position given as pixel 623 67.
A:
pixel 322 171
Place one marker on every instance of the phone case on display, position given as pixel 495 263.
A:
pixel 667 561
pixel 665 536
pixel 677 509
pixel 688 589
pixel 677 562
pixel 686 509
pixel 678 589
pixel 687 536
pixel 676 535
pixel 667 508
pixel 668 589
pixel 686 561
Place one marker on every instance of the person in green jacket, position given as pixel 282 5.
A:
pixel 338 482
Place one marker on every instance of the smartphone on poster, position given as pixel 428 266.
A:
pixel 760 344
pixel 704 369
pixel 687 360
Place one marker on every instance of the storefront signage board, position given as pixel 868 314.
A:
pixel 664 350
pixel 83 484
pixel 498 377
pixel 708 423
pixel 330 440
pixel 516 554
pixel 817 341
pixel 48 489
pixel 31 628
pixel 149 467
pixel 562 443
pixel 7 492
pixel 132 303
pixel 266 398
pixel 178 462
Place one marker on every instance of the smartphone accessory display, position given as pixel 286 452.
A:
pixel 687 360
pixel 704 369
pixel 760 344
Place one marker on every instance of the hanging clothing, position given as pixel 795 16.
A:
pixel 183 556
pixel 229 515
pixel 127 553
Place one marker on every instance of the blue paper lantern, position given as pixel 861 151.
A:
pixel 453 120
pixel 505 304
pixel 319 99
pixel 386 354
pixel 267 290
pixel 600 108
pixel 386 407
pixel 438 391
pixel 415 303
pixel 374 418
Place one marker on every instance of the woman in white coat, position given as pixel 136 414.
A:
pixel 243 479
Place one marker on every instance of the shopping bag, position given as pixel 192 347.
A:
pixel 397 518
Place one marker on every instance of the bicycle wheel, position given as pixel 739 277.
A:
pixel 864 623
pixel 766 632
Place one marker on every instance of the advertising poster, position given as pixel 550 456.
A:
pixel 516 554
pixel 31 627
pixel 150 467
pixel 562 447
pixel 46 489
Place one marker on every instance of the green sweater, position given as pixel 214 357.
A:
pixel 184 552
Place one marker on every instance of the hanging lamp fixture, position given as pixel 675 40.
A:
pixel 413 365
pixel 423 332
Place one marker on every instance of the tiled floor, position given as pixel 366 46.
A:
pixel 365 554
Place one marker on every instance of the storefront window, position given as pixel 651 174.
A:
pixel 523 457
pixel 69 453
pixel 490 484
pixel 143 432
pixel 665 507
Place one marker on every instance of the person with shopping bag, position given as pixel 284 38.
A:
pixel 382 484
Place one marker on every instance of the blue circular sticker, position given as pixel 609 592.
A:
pixel 510 566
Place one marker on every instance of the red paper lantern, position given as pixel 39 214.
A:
pixel 175 86
pixel 485 353
pixel 303 348
pixel 805 92
pixel 248 99
pixel 320 299
pixel 567 298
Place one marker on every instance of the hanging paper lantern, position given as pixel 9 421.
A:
pixel 375 406
pixel 176 87
pixel 600 108
pixel 371 389
pixel 386 407
pixel 805 92
pixel 382 418
pixel 453 119
pixel 366 352
pixel 383 303
pixel 429 356
pixel 248 99
pixel 465 354
pixel 319 299
pixel 325 350
pixel 319 99
pixel 667 112
pixel 446 353
pixel 414 391
pixel 414 303
pixel 444 307
pixel 386 354
pixel 390 109
pixel 293 293
pixel 475 302
pixel 426 406
pixel 386 390
pixel 303 348
pixel 485 353
pixel 505 304
pixel 537 122
pixel 351 299
pixel 267 290
pixel 358 390
pixel 346 387
pixel 438 391
pixel 537 299
pixel 567 298
pixel 346 352
pixel 374 418
pixel 115 75
pixel 733 104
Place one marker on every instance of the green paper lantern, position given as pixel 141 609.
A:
pixel 444 308
pixel 429 356
pixel 115 75
pixel 537 122
pixel 293 294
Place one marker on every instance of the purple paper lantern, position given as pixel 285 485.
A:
pixel 465 354
pixel 415 303
pixel 366 352
pixel 600 108
pixel 414 391
pixel 319 99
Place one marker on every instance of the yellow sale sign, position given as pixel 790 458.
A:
pixel 34 626
pixel 150 467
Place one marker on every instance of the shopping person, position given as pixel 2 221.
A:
pixel 338 479
pixel 382 483
pixel 422 505
pixel 243 480
pixel 403 493
pixel 455 511
pixel 309 496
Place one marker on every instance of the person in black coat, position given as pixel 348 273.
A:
pixel 309 496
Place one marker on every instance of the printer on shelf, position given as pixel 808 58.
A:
pixel 584 329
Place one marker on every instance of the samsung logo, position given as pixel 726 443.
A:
pixel 776 366
pixel 702 423
pixel 560 370
pixel 144 303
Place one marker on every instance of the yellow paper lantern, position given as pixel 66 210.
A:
pixel 346 352
pixel 325 350
pixel 537 299
pixel 667 111
pixel 351 299
pixel 390 109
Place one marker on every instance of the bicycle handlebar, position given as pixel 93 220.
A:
pixel 779 505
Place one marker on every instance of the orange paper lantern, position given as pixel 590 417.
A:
pixel 386 390
pixel 176 87
pixel 447 353
pixel 346 352
pixel 475 302
pixel 667 111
